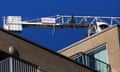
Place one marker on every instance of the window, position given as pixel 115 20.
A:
pixel 96 59
pixel 99 53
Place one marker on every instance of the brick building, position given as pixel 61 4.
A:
pixel 20 55
pixel 100 51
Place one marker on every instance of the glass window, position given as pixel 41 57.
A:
pixel 100 53
pixel 96 59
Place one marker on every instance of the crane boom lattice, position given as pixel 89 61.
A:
pixel 16 23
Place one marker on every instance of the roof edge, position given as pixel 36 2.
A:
pixel 80 41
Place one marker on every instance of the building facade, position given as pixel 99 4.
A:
pixel 100 51
pixel 20 55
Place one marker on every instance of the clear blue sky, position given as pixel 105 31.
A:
pixel 39 8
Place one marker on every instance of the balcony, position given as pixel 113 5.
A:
pixel 91 62
pixel 11 64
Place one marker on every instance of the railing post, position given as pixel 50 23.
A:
pixel 11 64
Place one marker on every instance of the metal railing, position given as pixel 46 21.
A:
pixel 16 65
pixel 91 62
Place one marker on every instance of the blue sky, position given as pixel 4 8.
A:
pixel 40 8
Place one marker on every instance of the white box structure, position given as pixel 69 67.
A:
pixel 48 20
pixel 13 23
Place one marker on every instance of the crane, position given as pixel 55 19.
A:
pixel 92 23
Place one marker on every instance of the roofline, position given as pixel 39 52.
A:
pixel 87 38
pixel 44 48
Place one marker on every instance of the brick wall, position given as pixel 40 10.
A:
pixel 110 37
pixel 47 60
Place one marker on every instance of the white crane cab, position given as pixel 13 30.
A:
pixel 101 26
